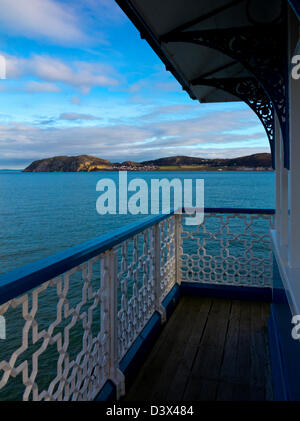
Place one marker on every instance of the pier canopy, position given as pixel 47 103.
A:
pixel 222 50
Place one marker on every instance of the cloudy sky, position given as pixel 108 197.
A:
pixel 81 81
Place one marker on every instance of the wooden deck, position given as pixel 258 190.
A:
pixel 211 349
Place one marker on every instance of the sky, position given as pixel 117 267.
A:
pixel 80 80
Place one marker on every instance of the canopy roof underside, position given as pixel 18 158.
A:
pixel 165 23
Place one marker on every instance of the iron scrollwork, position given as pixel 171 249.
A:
pixel 249 91
pixel 261 50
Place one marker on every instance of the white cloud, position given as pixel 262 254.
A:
pixel 79 74
pixel 38 19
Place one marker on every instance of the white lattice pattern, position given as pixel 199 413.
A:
pixel 137 277
pixel 68 336
pixel 63 353
pixel 135 287
pixel 167 254
pixel 232 249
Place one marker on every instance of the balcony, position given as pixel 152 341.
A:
pixel 117 316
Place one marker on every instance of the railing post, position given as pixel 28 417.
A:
pixel 157 274
pixel 115 374
pixel 178 248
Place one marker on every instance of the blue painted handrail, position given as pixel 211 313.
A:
pixel 23 279
pixel 247 211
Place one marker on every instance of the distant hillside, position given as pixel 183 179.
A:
pixel 90 163
pixel 176 160
pixel 251 161
pixel 68 164
pixel 256 160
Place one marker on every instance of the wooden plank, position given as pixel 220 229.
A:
pixel 241 392
pixel 225 391
pixel 172 359
pixel 229 364
pixel 188 353
pixel 243 354
pixel 201 390
pixel 146 381
pixel 241 388
pixel 209 357
pixel 260 376
pixel 269 381
pixel 258 353
pixel 228 372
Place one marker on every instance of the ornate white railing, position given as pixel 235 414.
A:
pixel 145 274
pixel 66 336
pixel 230 247
pixel 71 318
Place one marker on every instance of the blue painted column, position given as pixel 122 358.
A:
pixel 284 350
pixel 294 173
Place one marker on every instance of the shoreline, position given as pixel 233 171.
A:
pixel 146 171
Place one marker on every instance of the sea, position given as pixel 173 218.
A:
pixel 44 213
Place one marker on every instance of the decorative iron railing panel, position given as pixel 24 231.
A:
pixel 135 277
pixel 66 336
pixel 71 318
pixel 62 354
pixel 167 255
pixel 145 275
pixel 228 249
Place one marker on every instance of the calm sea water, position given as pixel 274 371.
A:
pixel 43 213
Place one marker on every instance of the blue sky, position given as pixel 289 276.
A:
pixel 81 81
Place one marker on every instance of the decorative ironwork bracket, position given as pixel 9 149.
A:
pixel 262 50
pixel 249 91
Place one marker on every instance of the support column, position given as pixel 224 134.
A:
pixel 284 206
pixel 277 179
pixel 157 274
pixel 294 173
